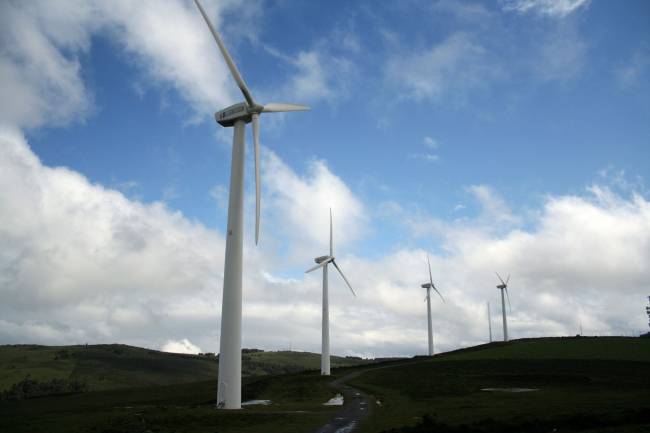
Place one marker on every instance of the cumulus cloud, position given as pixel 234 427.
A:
pixel 84 263
pixel 38 83
pixel 81 262
pixel 42 43
pixel 80 256
pixel 181 346
pixel 300 204
pixel 550 8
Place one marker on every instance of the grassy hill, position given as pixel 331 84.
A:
pixel 103 367
pixel 587 385
pixel 579 384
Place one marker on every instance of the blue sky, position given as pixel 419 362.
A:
pixel 480 132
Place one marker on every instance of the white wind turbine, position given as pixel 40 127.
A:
pixel 489 321
pixel 504 287
pixel 238 115
pixel 322 262
pixel 430 286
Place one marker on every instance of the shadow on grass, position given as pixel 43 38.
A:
pixel 574 423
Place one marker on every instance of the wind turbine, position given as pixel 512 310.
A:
pixel 430 286
pixel 504 287
pixel 237 116
pixel 489 320
pixel 322 262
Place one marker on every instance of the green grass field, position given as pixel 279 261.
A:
pixel 606 379
pixel 594 385
pixel 104 367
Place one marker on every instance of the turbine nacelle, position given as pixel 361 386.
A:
pixel 322 259
pixel 427 285
pixel 501 286
pixel 228 116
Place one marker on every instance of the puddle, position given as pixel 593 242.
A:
pixel 347 429
pixel 256 403
pixel 509 389
pixel 336 401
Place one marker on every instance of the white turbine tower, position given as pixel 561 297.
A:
pixel 238 115
pixel 504 287
pixel 430 286
pixel 489 320
pixel 322 262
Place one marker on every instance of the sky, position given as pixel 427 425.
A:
pixel 510 136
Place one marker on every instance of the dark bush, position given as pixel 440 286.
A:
pixel 30 388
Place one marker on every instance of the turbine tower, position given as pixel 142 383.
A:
pixel 322 262
pixel 504 287
pixel 489 320
pixel 237 116
pixel 430 286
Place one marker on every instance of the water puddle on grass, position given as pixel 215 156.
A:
pixel 347 429
pixel 335 401
pixel 256 403
pixel 510 389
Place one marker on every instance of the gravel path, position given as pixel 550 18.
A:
pixel 356 406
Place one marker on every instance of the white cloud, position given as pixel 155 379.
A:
pixel 82 263
pixel 550 8
pixel 561 55
pixel 318 73
pixel 78 255
pixel 42 41
pixel 300 204
pixel 456 66
pixel 427 156
pixel 181 346
pixel 633 72
pixel 430 142
pixel 38 83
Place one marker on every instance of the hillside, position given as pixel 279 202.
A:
pixel 103 367
pixel 587 385
pixel 589 382
pixel 604 348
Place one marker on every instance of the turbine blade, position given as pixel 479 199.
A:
pixel 430 277
pixel 274 107
pixel 507 279
pixel 320 265
pixel 439 294
pixel 231 65
pixel 258 180
pixel 345 279
pixel 501 279
pixel 331 236
pixel 508 297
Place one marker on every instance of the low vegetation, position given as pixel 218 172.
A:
pixel 588 385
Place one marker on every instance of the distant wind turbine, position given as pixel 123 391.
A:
pixel 322 262
pixel 489 320
pixel 504 287
pixel 430 286
pixel 238 115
